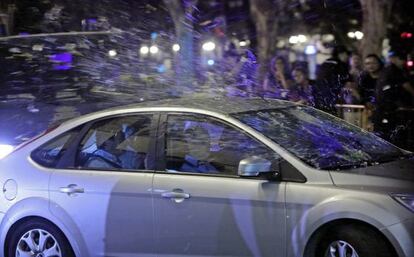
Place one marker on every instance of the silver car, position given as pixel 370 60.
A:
pixel 207 177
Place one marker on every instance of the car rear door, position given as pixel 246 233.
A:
pixel 201 206
pixel 102 187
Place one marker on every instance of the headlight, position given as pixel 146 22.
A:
pixel 406 200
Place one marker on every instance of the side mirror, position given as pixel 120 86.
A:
pixel 255 166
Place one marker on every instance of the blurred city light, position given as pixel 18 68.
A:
pixel 359 35
pixel 154 49
pixel 144 50
pixel 5 150
pixel 293 40
pixel 154 35
pixel 176 47
pixel 210 62
pixel 351 34
pixel 242 43
pixel 161 68
pixel 355 34
pixel 410 63
pixel 38 47
pixel 302 38
pixel 112 53
pixel 406 35
pixel 298 39
pixel 328 37
pixel 209 46
pixel 310 49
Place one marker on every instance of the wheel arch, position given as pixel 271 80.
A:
pixel 38 208
pixel 320 231
pixel 23 220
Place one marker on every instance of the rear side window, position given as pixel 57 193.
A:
pixel 50 153
pixel 120 143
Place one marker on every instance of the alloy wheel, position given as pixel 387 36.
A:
pixel 38 243
pixel 340 248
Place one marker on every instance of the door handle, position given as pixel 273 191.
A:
pixel 71 189
pixel 177 195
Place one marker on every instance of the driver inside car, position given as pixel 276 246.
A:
pixel 198 145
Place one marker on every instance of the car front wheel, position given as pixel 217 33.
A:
pixel 352 240
pixel 38 238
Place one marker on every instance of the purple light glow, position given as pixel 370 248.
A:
pixel 63 61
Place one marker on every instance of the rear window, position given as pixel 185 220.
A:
pixel 50 153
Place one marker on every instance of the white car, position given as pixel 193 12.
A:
pixel 207 177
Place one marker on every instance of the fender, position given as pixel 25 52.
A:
pixel 366 210
pixel 39 207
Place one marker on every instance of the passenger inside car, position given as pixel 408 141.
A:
pixel 197 157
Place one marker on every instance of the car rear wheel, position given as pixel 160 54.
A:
pixel 352 241
pixel 37 238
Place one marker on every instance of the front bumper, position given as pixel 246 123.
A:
pixel 401 236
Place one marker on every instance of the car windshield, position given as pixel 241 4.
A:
pixel 319 139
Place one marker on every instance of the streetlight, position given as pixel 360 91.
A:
pixel 144 50
pixel 302 38
pixel 293 40
pixel 359 35
pixel 210 62
pixel 209 46
pixel 153 49
pixel 351 34
pixel 242 43
pixel 176 47
pixel 112 53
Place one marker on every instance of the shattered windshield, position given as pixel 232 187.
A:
pixel 320 140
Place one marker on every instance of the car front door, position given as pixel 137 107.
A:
pixel 201 206
pixel 102 187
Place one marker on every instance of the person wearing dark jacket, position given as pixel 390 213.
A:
pixel 331 78
pixel 393 93
pixel 367 81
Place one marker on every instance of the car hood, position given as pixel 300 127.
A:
pixel 392 177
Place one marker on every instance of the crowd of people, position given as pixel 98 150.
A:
pixel 383 89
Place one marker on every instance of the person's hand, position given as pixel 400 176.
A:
pixel 280 75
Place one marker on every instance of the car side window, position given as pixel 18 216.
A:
pixel 206 145
pixel 120 143
pixel 49 154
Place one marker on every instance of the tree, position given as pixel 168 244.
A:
pixel 182 15
pixel 375 17
pixel 269 17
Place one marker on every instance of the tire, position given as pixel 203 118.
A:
pixel 30 231
pixel 359 239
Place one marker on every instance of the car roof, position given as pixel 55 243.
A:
pixel 223 105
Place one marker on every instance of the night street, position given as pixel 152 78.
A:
pixel 180 128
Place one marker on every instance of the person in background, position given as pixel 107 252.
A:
pixel 367 82
pixel 278 82
pixel 393 93
pixel 332 76
pixel 302 89
pixel 355 66
pixel 368 79
pixel 350 93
